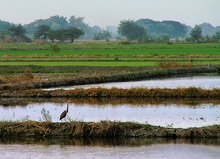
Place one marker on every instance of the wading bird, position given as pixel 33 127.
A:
pixel 63 115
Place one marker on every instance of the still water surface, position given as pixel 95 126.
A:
pixel 205 82
pixel 154 151
pixel 167 115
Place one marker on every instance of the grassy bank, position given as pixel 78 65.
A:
pixel 104 129
pixel 29 86
pixel 178 93
pixel 129 74
pixel 24 102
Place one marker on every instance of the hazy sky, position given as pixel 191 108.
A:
pixel 111 12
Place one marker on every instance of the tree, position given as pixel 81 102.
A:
pixel 52 35
pixel 57 35
pixel 73 33
pixel 163 38
pixel 146 38
pixel 57 22
pixel 216 37
pixel 130 29
pixel 17 31
pixel 196 34
pixel 105 35
pixel 4 25
pixel 42 32
pixel 65 34
pixel 78 23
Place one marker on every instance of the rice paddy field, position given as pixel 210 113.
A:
pixel 27 68
pixel 109 54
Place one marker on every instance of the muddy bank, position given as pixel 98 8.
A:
pixel 103 101
pixel 104 129
pixel 190 93
pixel 149 74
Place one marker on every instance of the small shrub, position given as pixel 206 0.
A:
pixel 28 75
pixel 125 42
pixel 54 48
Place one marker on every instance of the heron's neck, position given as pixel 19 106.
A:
pixel 67 107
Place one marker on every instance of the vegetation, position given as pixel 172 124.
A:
pixel 130 29
pixel 54 48
pixel 103 129
pixel 152 50
pixel 44 32
pixel 105 35
pixel 196 34
pixel 20 81
pixel 157 31
pixel 179 93
pixel 17 32
pixel 25 88
pixel 105 54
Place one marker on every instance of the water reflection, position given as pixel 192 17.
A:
pixel 6 102
pixel 117 148
pixel 167 115
pixel 135 142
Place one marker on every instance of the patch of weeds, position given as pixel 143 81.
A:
pixel 78 120
pixel 69 119
pixel 54 48
pixel 170 125
pixel 46 115
pixel 26 118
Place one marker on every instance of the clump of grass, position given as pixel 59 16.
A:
pixel 173 64
pixel 26 76
pixel 46 115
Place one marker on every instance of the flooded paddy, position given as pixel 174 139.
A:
pixel 166 115
pixel 174 115
pixel 204 81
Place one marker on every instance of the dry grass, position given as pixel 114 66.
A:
pixel 26 77
pixel 103 129
pixel 166 93
pixel 173 64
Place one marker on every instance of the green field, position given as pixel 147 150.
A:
pixel 105 54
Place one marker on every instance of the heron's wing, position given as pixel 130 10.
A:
pixel 63 115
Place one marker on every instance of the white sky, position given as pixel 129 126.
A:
pixel 111 12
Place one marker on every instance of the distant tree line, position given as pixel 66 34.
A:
pixel 59 29
pixel 44 32
pixel 55 28
pixel 132 31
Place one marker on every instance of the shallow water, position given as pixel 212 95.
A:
pixel 206 82
pixel 167 115
pixel 151 150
